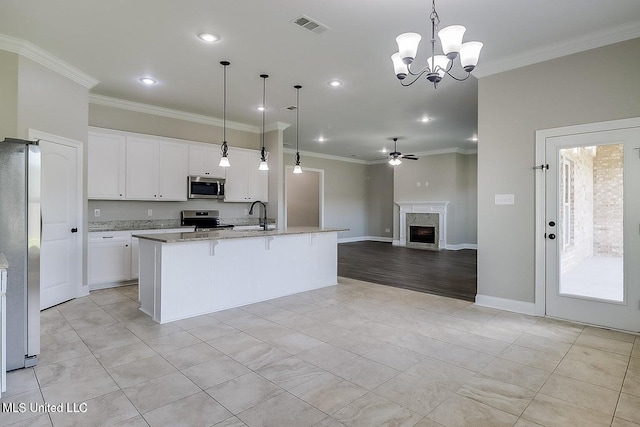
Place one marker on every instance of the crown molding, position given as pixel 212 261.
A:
pixel 139 107
pixel 553 51
pixel 454 150
pixel 327 156
pixel 44 58
pixel 276 126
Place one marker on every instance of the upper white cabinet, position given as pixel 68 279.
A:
pixel 204 159
pixel 106 165
pixel 244 182
pixel 173 167
pixel 156 170
pixel 142 168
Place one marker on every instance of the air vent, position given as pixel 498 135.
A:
pixel 291 108
pixel 310 25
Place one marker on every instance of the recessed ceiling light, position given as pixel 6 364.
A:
pixel 425 119
pixel 261 108
pixel 209 37
pixel 335 83
pixel 148 81
pixel 383 151
pixel 321 139
pixel 474 138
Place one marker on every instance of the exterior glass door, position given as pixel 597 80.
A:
pixel 593 219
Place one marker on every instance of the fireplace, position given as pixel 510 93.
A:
pixel 423 214
pixel 423 231
pixel 422 234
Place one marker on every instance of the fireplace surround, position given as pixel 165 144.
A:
pixel 436 217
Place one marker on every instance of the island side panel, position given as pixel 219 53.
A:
pixel 207 276
pixel 147 276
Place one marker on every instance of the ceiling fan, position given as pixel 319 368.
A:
pixel 395 155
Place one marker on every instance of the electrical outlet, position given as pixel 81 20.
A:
pixel 418 184
pixel 96 212
pixel 150 212
pixel 387 230
pixel 426 183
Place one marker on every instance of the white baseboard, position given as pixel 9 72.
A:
pixel 365 239
pixel 112 285
pixel 462 246
pixel 515 306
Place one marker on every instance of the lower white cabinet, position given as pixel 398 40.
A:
pixel 114 256
pixel 109 256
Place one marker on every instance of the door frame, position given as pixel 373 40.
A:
pixel 34 134
pixel 540 194
pixel 321 192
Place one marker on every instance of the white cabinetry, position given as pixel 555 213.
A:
pixel 204 159
pixel 106 165
pixel 109 256
pixel 135 246
pixel 156 170
pixel 244 182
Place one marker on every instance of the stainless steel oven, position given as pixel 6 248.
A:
pixel 204 220
pixel 203 187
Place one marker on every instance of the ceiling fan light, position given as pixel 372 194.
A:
pixel 408 46
pixel 399 67
pixel 469 55
pixel 440 64
pixel 451 40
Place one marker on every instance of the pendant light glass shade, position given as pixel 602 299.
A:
pixel 438 64
pixel 224 149
pixel 264 166
pixel 297 169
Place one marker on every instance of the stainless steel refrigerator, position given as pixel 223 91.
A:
pixel 20 225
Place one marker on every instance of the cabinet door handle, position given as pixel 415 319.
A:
pixel 74 230
pixel 107 237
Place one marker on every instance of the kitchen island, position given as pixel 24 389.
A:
pixel 189 274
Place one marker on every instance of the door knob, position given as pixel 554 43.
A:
pixel 552 236
pixel 74 230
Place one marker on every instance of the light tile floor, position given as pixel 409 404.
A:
pixel 356 354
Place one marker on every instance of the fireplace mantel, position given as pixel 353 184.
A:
pixel 423 207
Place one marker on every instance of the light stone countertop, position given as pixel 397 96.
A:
pixel 232 234
pixel 4 264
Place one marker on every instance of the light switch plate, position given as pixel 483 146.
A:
pixel 96 212
pixel 150 212
pixel 505 199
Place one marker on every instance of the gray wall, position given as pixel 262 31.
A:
pixel 40 99
pixel 592 86
pixel 303 195
pixel 345 193
pixel 131 121
pixel 380 200
pixel 8 94
pixel 450 178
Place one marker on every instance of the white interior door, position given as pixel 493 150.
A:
pixel 593 228
pixel 60 257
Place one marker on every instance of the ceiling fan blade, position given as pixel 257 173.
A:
pixel 410 158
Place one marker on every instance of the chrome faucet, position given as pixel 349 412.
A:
pixel 264 207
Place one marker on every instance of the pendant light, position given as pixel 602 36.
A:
pixel 297 168
pixel 224 160
pixel 264 166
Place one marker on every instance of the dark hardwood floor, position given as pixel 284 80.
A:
pixel 447 273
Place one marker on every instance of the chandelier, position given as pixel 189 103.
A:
pixel 437 65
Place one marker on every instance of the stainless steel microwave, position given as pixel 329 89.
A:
pixel 203 187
